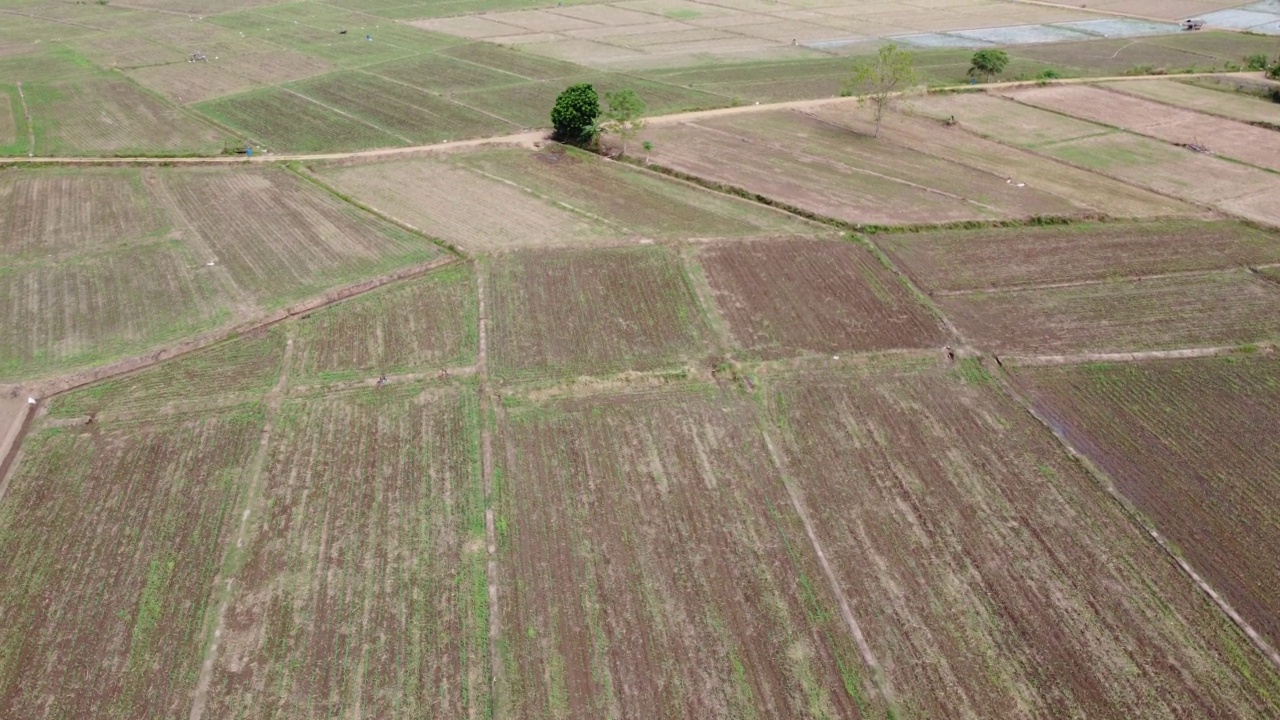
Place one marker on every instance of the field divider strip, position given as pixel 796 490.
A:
pixel 486 473
pixel 1141 522
pixel 846 612
pixel 1136 356
pixel 26 115
pixel 11 445
pixel 231 564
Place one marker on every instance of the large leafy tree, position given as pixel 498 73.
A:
pixel 988 63
pixel 880 79
pixel 575 112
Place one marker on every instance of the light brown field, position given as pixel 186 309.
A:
pixel 8 121
pixel 1206 100
pixel 430 195
pixel 1208 310
pixel 998 117
pixel 990 576
pixel 1229 138
pixel 808 296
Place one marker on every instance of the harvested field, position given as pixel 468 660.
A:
pixel 408 113
pixel 515 62
pixel 1010 122
pixel 279 238
pixel 639 202
pixel 989 574
pixel 1192 444
pixel 563 313
pixel 1209 310
pixel 1188 175
pixel 187 83
pixel 56 212
pixel 106 116
pixel 85 311
pixel 10 121
pixel 425 323
pixel 363 589
pixel 836 172
pixel 1241 141
pixel 1225 103
pixel 806 296
pixel 232 372
pixel 431 195
pixel 651 566
pixel 286 121
pixel 438 73
pixel 1012 257
pixel 110 540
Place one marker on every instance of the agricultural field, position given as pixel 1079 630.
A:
pixel 563 313
pixel 279 119
pixel 990 576
pixel 111 536
pixel 278 238
pixel 429 193
pixel 1223 103
pixel 423 324
pixel 1191 444
pixel 838 172
pixel 106 263
pixel 229 373
pixel 1022 257
pixel 637 202
pixel 361 588
pixel 1205 310
pixel 807 296
pixel 1228 138
pixel 651 565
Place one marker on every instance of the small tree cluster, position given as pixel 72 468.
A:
pixel 622 116
pixel 988 63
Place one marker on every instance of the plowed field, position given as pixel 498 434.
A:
pixel 803 296
pixel 109 543
pixel 424 323
pixel 990 575
pixel 280 239
pixel 1011 257
pixel 652 566
pixel 1238 106
pixel 363 587
pixel 1213 309
pixel 1192 444
pixel 572 312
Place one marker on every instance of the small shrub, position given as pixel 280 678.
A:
pixel 1230 67
pixel 575 112
pixel 1273 72
pixel 1049 74
pixel 1141 70
pixel 1256 62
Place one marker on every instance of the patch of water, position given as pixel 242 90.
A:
pixel 1239 19
pixel 939 40
pixel 1022 34
pixel 1121 28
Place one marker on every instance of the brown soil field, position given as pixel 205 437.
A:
pixel 651 565
pixel 1083 189
pixel 363 590
pixel 86 310
pixel 1012 257
pixel 53 212
pixel 110 539
pixel 1208 310
pixel 838 173
pixel 1192 444
pixel 639 202
pixel 990 575
pixel 1184 174
pixel 279 238
pixel 1229 138
pixel 1238 106
pixel 185 83
pixel 424 323
pixel 235 371
pixel 431 195
pixel 1003 119
pixel 574 312
pixel 808 296
pixel 105 116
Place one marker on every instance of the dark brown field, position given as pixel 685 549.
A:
pixel 1193 444
pixel 805 296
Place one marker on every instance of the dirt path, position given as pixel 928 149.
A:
pixel 1180 353
pixel 529 139
pixel 226 578
pixel 486 470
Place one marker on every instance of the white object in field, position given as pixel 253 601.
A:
pixel 31 401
